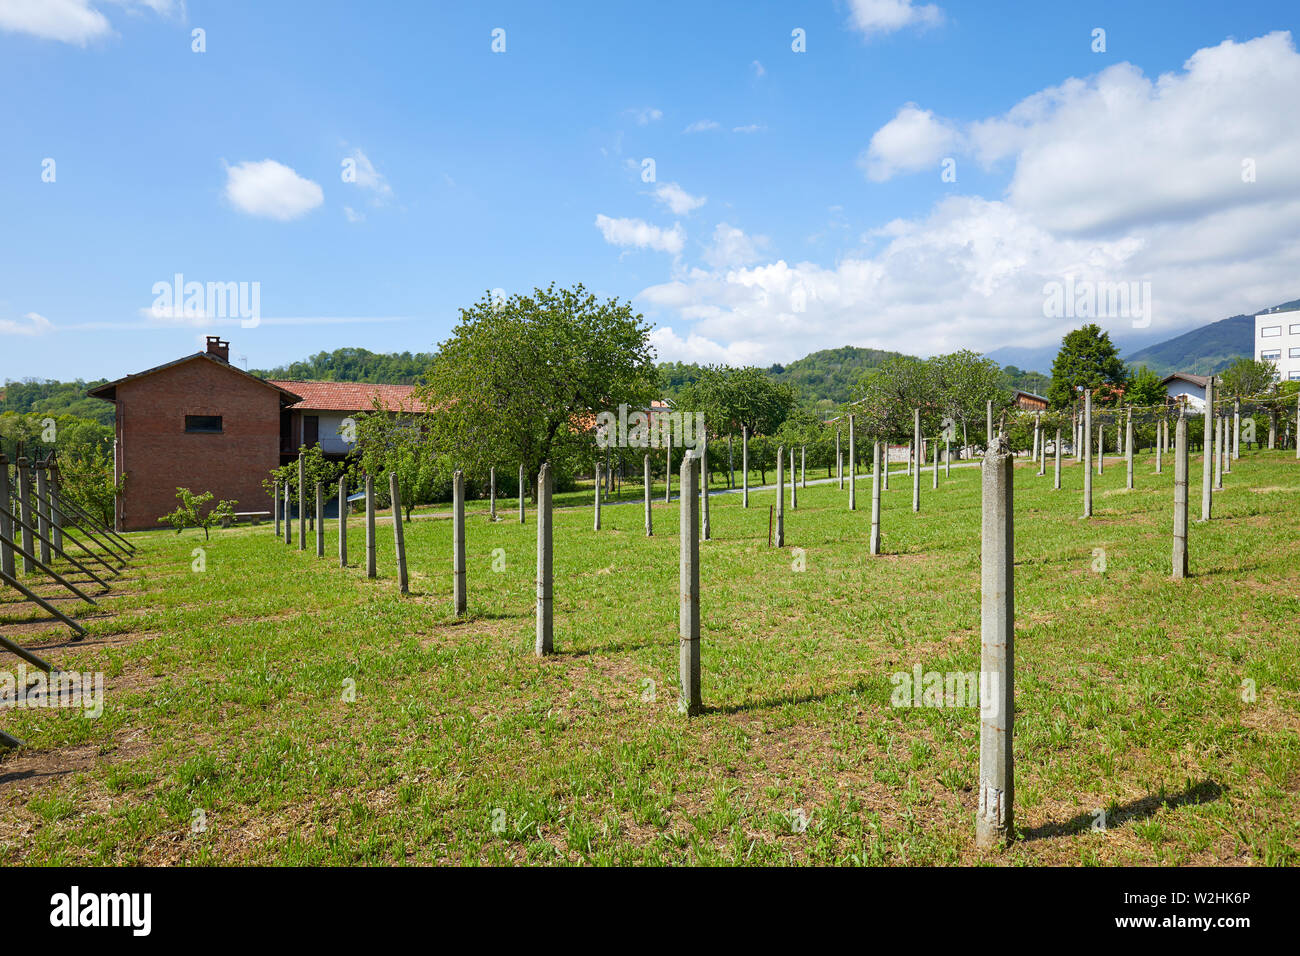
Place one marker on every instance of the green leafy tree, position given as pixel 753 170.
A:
pixel 732 398
pixel 1087 359
pixel 190 514
pixel 889 395
pixel 400 444
pixel 964 383
pixel 1248 378
pixel 315 467
pixel 521 380
pixel 1144 388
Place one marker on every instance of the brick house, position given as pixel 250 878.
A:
pixel 201 423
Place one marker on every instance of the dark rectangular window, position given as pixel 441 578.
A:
pixel 310 430
pixel 205 424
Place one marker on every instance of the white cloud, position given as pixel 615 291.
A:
pixel 641 234
pixel 70 21
pixel 914 139
pixel 1115 177
pixel 677 199
pixel 646 115
pixel 758 69
pixel 751 128
pixel 352 215
pixel 32 324
pixel 885 16
pixel 367 177
pixel 731 247
pixel 702 126
pixel 271 190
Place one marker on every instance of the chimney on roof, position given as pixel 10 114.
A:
pixel 218 349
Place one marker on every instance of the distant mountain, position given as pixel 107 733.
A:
pixel 1206 350
pixel 1203 351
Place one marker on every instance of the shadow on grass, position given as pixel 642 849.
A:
pixel 770 703
pixel 1207 791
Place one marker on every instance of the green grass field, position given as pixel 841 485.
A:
pixel 227 690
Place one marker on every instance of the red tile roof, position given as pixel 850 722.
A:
pixel 351 396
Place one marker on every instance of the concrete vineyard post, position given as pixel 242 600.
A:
pixel 1086 430
pixel 545 642
pixel 875 498
pixel 1180 498
pixel 995 817
pixel 302 505
pixel 780 497
pixel 688 616
pixel 918 451
pixel 1207 464
pixel 853 469
pixel 744 466
pixel 343 522
pixel 459 599
pixel 320 519
pixel 399 538
pixel 370 527
pixel 649 517
pixel 1056 473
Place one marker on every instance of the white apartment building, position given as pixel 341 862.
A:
pixel 1277 340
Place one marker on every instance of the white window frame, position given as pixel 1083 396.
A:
pixel 1270 331
pixel 1272 355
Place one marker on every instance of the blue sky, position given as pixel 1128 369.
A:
pixel 798 200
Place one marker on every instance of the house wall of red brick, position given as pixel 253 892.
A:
pixel 158 456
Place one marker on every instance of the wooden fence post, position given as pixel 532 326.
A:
pixel 399 539
pixel 545 643
pixel 459 598
pixel 370 527
pixel 1218 452
pixel 1180 497
pixel 25 512
pixel 995 819
pixel 688 617
pixel 6 523
pixel 43 511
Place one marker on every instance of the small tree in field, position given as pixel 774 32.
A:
pixel 189 513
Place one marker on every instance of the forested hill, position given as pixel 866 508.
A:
pixel 55 398
pixel 828 378
pixel 1206 350
pixel 354 365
